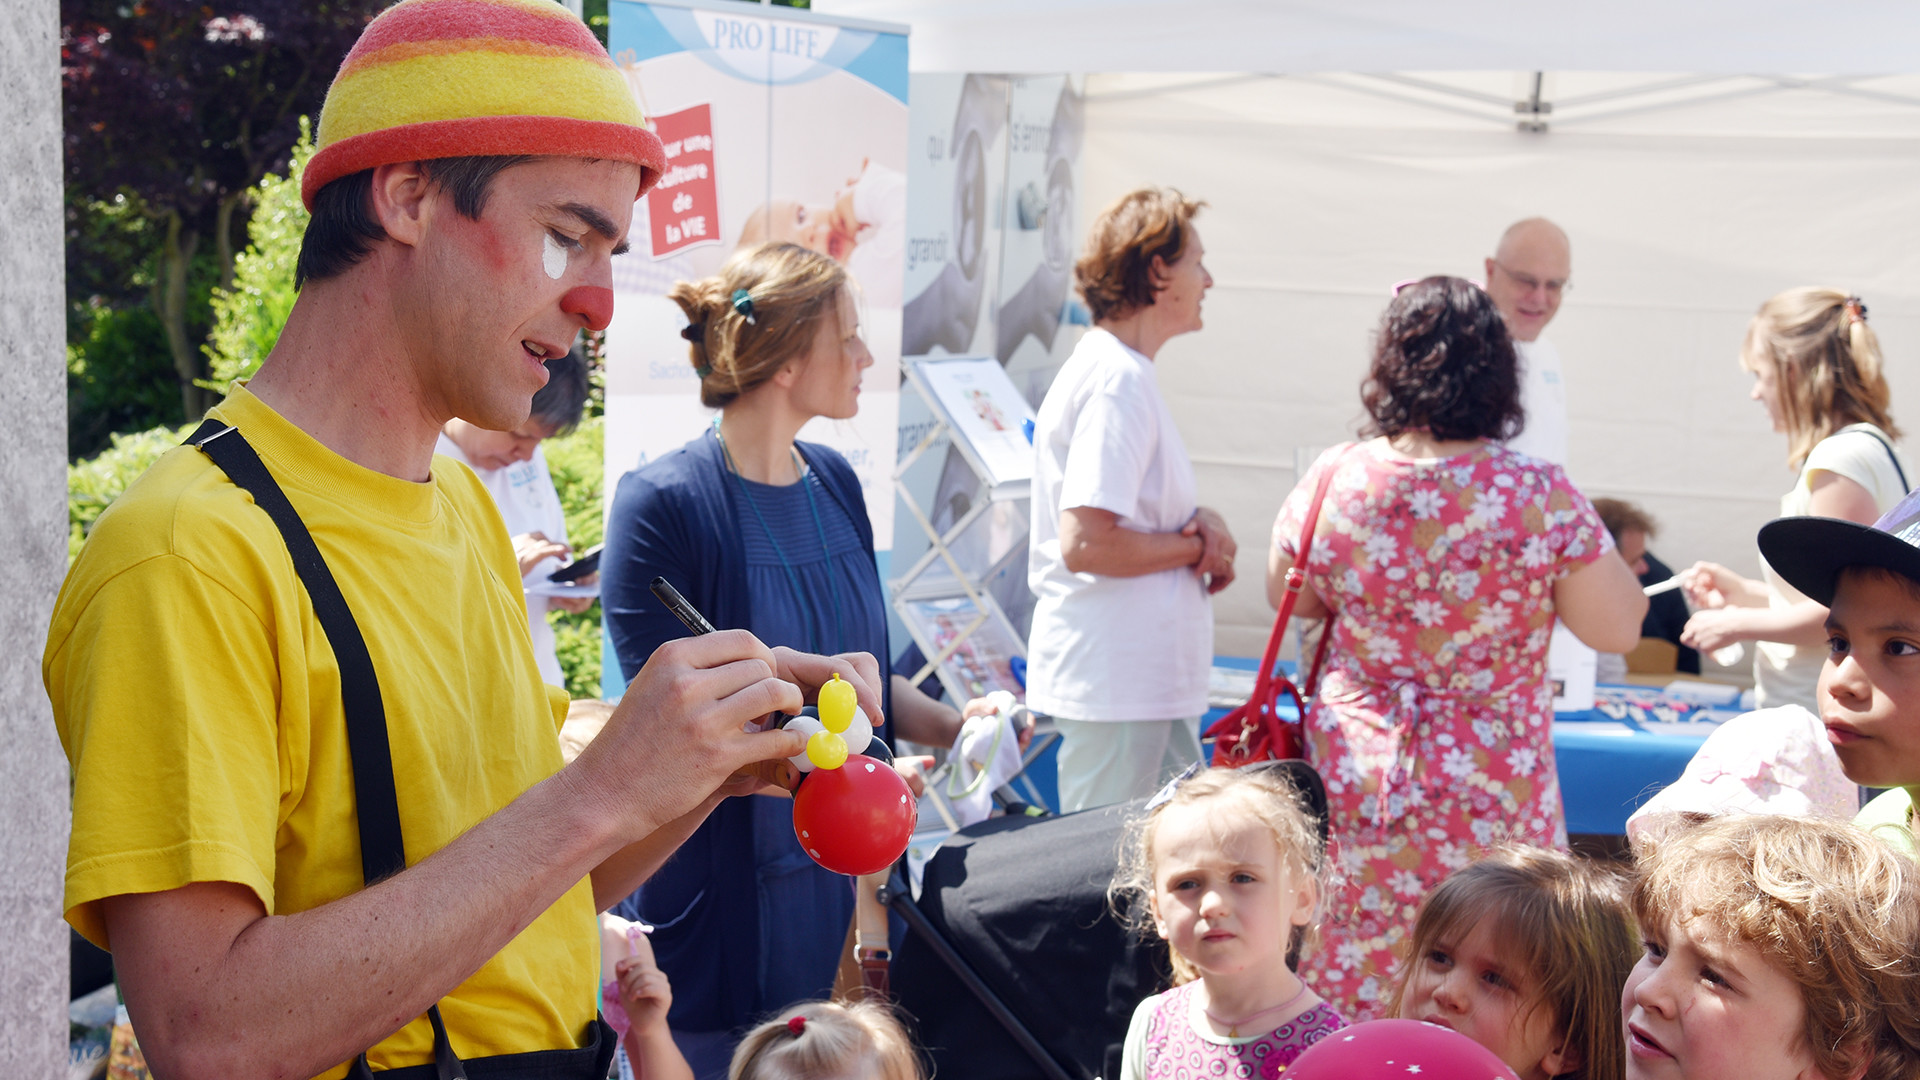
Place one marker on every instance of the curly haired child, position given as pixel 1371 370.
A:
pixel 1776 948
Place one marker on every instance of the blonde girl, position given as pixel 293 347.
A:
pixel 1776 948
pixel 824 1040
pixel 1818 371
pixel 1227 863
pixel 1524 952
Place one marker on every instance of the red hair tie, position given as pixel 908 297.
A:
pixel 797 1024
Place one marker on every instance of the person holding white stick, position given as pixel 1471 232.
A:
pixel 1817 369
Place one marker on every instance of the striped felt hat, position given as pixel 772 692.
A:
pixel 459 78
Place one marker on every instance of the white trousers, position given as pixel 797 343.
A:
pixel 1110 761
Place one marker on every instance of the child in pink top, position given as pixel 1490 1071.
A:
pixel 1228 865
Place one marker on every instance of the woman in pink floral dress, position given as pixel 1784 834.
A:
pixel 1443 558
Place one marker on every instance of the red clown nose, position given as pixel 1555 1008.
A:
pixel 592 303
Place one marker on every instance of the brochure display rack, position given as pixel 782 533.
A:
pixel 967 638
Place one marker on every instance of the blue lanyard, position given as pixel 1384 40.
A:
pixel 793 579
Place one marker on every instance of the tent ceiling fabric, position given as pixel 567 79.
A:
pixel 1713 36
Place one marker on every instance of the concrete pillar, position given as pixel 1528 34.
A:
pixel 34 806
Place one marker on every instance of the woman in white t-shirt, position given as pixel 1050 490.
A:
pixel 1123 559
pixel 1817 368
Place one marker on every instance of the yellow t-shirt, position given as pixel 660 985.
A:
pixel 199 704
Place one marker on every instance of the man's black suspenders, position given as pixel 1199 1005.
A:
pixel 382 852
pixel 382 849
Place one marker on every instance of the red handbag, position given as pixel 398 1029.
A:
pixel 1255 731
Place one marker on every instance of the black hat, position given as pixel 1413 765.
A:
pixel 1810 552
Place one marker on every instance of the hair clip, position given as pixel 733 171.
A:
pixel 1165 794
pixel 694 332
pixel 703 370
pixel 797 1025
pixel 1856 310
pixel 743 303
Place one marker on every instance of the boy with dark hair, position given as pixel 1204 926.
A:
pixel 512 467
pixel 1667 613
pixel 1869 579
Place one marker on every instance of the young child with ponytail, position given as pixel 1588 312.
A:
pixel 825 1040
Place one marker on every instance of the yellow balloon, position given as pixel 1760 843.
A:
pixel 826 749
pixel 837 700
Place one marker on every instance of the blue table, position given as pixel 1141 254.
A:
pixel 1608 765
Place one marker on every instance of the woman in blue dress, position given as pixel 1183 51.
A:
pixel 764 532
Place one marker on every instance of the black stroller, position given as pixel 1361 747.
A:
pixel 1013 966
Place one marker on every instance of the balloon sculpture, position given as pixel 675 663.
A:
pixel 1400 1049
pixel 852 814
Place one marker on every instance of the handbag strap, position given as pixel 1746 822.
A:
pixel 382 851
pixel 1296 580
pixel 1881 438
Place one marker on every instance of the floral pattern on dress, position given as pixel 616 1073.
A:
pixel 1432 721
pixel 1175 1051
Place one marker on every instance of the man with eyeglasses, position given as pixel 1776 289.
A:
pixel 1526 276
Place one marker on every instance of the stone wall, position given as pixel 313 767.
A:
pixel 33 420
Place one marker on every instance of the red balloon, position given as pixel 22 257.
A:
pixel 855 819
pixel 1398 1049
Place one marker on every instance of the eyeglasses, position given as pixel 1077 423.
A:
pixel 1553 286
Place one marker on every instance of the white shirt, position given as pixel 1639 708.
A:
pixel 1787 674
pixel 1543 393
pixel 528 504
pixel 1113 648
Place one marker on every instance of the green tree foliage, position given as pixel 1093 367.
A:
pixel 177 110
pixel 120 376
pixel 576 461
pixel 247 318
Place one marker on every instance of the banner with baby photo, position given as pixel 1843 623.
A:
pixel 992 231
pixel 778 124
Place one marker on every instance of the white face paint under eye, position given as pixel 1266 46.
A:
pixel 553 258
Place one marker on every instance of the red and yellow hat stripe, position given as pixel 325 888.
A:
pixel 458 78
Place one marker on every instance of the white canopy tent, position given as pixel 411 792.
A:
pixel 1690 197
pixel 1715 36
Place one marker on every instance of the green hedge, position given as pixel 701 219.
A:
pixel 575 460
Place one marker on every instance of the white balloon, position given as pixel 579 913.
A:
pixel 806 726
pixel 859 732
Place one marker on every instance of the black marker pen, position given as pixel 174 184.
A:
pixel 688 615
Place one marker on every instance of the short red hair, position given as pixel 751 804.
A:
pixel 1115 275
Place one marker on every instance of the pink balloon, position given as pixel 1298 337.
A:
pixel 1400 1050
pixel 855 819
